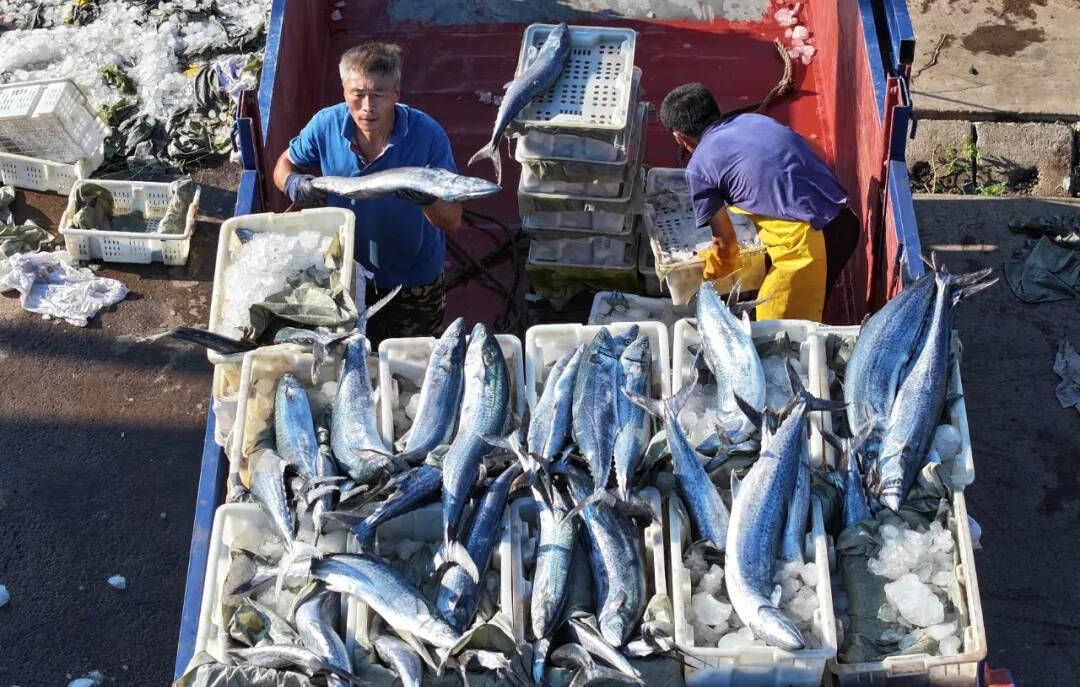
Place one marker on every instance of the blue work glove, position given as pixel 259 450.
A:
pixel 300 191
pixel 418 197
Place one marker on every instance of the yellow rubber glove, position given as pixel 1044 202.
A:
pixel 716 264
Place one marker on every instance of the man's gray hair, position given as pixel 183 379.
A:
pixel 372 58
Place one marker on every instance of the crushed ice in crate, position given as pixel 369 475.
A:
pixel 715 623
pixel 947 442
pixel 915 601
pixel 777 387
pixel 697 417
pixel 262 266
pixel 619 309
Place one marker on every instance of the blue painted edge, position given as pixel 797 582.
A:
pixel 270 62
pixel 245 133
pixel 211 490
pixel 901 32
pixel 903 208
pixel 873 54
pixel 898 145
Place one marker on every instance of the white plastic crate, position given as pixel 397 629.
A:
pixel 264 367
pixel 231 522
pixel 49 119
pixel 811 356
pixel 522 516
pixel 963 466
pixel 578 225
pixel 338 222
pixel 423 524
pixel 35 174
pixel 660 309
pixel 408 357
pixel 546 343
pixel 675 238
pixel 149 198
pixel 752 665
pixel 961 670
pixel 592 96
pixel 226 390
pixel 604 253
pixel 631 202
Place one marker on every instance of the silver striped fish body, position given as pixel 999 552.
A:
pixel 708 514
pixel 919 403
pixel 886 345
pixel 554 553
pixel 757 521
pixel 294 429
pixel 401 657
pixel 286 656
pixel 551 422
pixel 268 489
pixel 595 414
pixel 354 432
pixel 324 467
pixel 316 617
pixel 617 564
pixel 793 539
pixel 635 425
pixel 732 358
pixel 440 393
pixel 458 595
pixel 387 592
pixel 435 181
pixel 410 490
pixel 856 506
pixel 485 411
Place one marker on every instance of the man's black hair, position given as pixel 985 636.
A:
pixel 689 109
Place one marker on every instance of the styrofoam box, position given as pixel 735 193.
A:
pixel 408 358
pixel 226 391
pixel 49 119
pixel 546 253
pixel 675 239
pixel 423 524
pixel 327 221
pixel 660 309
pixel 231 521
pixel 754 666
pixel 271 362
pixel 523 514
pixel 583 222
pixel 593 92
pixel 546 343
pixel 811 356
pixel 632 202
pixel 963 466
pixel 36 174
pixel 147 197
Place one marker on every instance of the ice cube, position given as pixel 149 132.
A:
pixel 707 635
pixel 887 613
pixel 709 610
pixel 118 582
pixel 914 601
pixel 412 406
pixel 947 442
pixel 696 565
pixel 809 574
pixel 802 608
pixel 908 641
pixel 746 633
pixel 892 634
pixel 889 532
pixel 732 641
pixel 949 646
pixel 712 581
pixel 789 588
pixel 942 578
pixel 786 570
pixel 5 596
pixel 941 631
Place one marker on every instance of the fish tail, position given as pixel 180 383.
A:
pixel 540 656
pixel 454 553
pixel 490 151
pixel 812 402
pixel 205 338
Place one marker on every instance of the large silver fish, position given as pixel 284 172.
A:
pixel 485 411
pixel 440 395
pixel 733 359
pixel 595 413
pixel 554 551
pixel 284 656
pixel 294 429
pixel 635 425
pixel 325 466
pixel 757 518
pixel 397 654
pixel 354 432
pixel 708 515
pixel 405 492
pixel 268 490
pixel 388 593
pixel 550 423
pixel 616 561
pixel 793 539
pixel 540 76
pixel 882 352
pixel 434 181
pixel 316 617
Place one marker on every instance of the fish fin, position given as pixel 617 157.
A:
pixel 753 414
pixel 637 507
pixel 970 278
pixel 650 405
pixel 744 308
pixel 418 647
pixel 812 402
pixel 492 152
pixel 541 648
pixel 601 496
pixel 455 553
pixel 735 484
pixel 733 295
pixel 959 294
pixel 203 337
pixel 294 551
pixel 774 598
pixel 311 496
pixel 715 463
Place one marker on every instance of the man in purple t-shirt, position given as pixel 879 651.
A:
pixel 754 165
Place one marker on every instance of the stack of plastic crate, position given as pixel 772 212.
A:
pixel 580 147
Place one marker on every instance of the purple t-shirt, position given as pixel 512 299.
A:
pixel 764 167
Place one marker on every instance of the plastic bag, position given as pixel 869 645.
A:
pixel 48 284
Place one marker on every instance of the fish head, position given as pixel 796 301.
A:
pixel 602 345
pixel 639 351
pixel 773 626
pixel 438 632
pixel 289 386
pixel 614 627
pixel 892 494
pixel 559 34
pixel 451 345
pixel 468 188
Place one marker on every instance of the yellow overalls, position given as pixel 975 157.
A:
pixel 795 286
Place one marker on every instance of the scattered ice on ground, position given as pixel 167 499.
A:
pixel 262 267
pixel 915 601
pixel 5 596
pixel 118 582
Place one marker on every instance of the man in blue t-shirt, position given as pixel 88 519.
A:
pixel 753 165
pixel 399 238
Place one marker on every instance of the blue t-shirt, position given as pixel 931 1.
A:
pixel 763 167
pixel 394 240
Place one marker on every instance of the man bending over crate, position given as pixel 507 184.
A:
pixel 398 237
pixel 756 166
